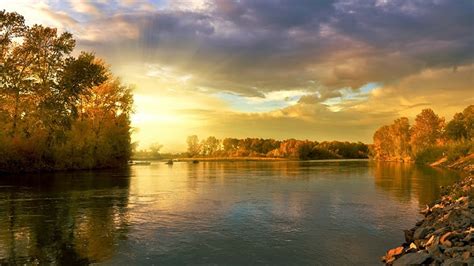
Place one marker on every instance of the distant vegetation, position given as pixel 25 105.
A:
pixel 212 147
pixel 57 111
pixel 270 148
pixel 427 140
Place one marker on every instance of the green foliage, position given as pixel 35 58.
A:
pixel 462 125
pixel 57 111
pixel 430 154
pixel 458 150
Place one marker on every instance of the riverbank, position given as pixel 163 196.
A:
pixel 221 159
pixel 445 236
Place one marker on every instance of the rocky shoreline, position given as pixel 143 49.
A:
pixel 445 236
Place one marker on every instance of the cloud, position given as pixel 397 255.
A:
pixel 250 48
pixel 319 97
pixel 290 65
pixel 63 19
pixel 84 6
pixel 445 90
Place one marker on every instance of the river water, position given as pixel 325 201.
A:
pixel 233 213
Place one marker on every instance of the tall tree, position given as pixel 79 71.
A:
pixel 426 131
pixel 59 111
pixel 194 148
pixel 210 146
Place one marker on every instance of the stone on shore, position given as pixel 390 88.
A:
pixel 445 236
pixel 412 258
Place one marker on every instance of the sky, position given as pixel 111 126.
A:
pixel 304 69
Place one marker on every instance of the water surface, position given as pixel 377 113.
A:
pixel 239 213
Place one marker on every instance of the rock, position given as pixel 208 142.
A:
pixel 408 235
pixel 446 233
pixel 440 231
pixel 412 248
pixel 445 237
pixel 466 255
pixel 391 254
pixel 418 242
pixel 462 199
pixel 447 243
pixel 469 261
pixel 468 238
pixel 425 211
pixel 453 262
pixel 412 258
pixel 421 232
pixel 434 250
pixel 395 252
pixel 430 241
pixel 456 251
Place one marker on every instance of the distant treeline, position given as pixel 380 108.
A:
pixel 290 148
pixel 428 139
pixel 57 111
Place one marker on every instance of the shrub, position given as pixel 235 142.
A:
pixel 430 154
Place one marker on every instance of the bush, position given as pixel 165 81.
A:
pixel 430 154
pixel 458 150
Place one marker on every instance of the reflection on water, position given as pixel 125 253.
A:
pixel 343 212
pixel 407 182
pixel 62 218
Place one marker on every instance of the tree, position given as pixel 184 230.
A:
pixel 400 133
pixel 210 146
pixel 426 131
pixel 230 145
pixel 12 25
pixel 383 144
pixel 80 75
pixel 43 89
pixel 469 121
pixel 305 150
pixel 194 148
pixel 155 150
pixel 456 128
pixel 461 127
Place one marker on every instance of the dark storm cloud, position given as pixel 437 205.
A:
pixel 252 47
pixel 436 32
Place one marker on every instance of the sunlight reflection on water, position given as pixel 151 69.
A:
pixel 343 212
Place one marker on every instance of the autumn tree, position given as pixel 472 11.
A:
pixel 12 25
pixel 290 148
pixel 461 127
pixel 210 146
pixel 58 111
pixel 426 131
pixel 230 145
pixel 194 147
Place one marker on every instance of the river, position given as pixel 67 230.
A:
pixel 233 213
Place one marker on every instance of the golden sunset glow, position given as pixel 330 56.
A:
pixel 237 69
